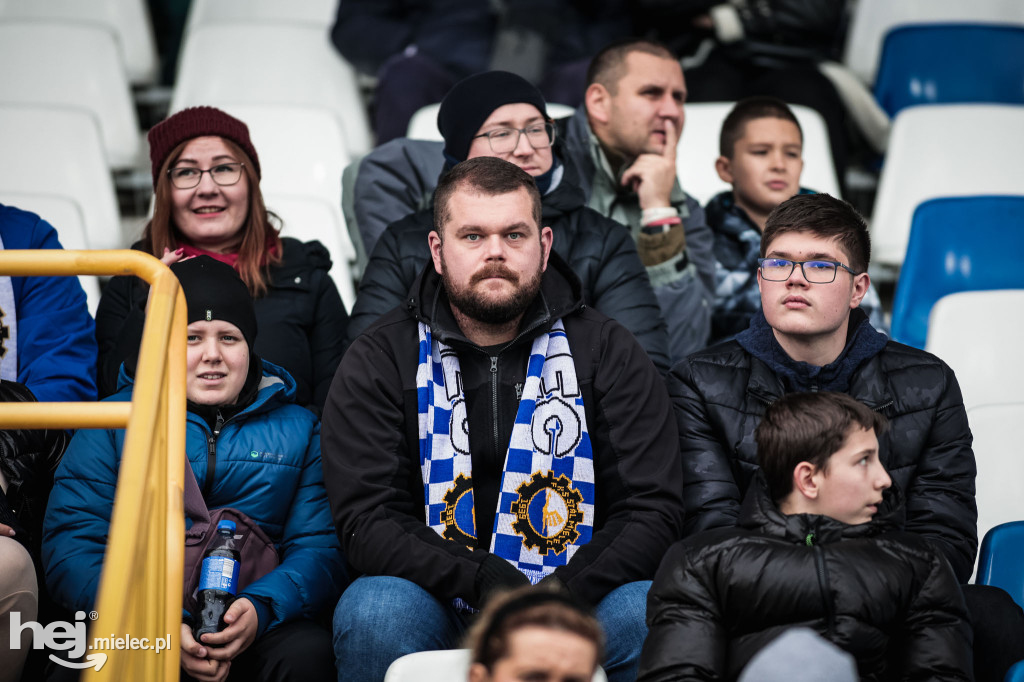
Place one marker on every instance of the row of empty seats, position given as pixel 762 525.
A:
pixel 977 333
pixel 940 151
pixel 957 244
pixel 873 20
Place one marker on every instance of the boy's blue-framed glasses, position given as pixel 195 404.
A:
pixel 814 271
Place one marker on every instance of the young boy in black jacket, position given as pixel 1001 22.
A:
pixel 818 545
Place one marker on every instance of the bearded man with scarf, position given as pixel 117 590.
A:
pixel 494 433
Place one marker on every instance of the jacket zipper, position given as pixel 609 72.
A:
pixel 211 454
pixel 823 584
pixel 494 401
pixel 494 385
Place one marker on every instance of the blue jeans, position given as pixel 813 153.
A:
pixel 379 619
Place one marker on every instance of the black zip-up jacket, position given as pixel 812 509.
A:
pixel 884 595
pixel 371 444
pixel 720 395
pixel 600 251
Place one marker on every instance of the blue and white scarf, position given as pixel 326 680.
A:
pixel 546 506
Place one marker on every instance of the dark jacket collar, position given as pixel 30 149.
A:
pixel 726 217
pixel 561 294
pixel 567 195
pixel 759 513
pixel 862 343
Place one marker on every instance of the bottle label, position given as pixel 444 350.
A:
pixel 219 573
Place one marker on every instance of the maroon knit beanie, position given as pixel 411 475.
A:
pixel 197 122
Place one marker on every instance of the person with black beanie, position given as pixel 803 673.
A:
pixel 251 448
pixel 500 114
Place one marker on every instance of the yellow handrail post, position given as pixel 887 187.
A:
pixel 140 587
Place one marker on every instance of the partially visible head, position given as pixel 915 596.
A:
pixel 751 109
pixel 488 244
pixel 761 154
pixel 497 101
pixel 531 634
pixel 221 330
pixel 223 209
pixel 634 87
pixel 819 454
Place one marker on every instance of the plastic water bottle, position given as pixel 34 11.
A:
pixel 218 580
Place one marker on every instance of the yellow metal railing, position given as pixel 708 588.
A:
pixel 140 588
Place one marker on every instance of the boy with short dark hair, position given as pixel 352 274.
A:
pixel 818 545
pixel 761 156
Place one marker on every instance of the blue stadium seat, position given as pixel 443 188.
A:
pixel 1001 559
pixel 957 244
pixel 1015 673
pixel 951 63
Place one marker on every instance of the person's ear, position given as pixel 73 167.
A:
pixel 547 238
pixel 806 480
pixel 723 166
pixel 478 673
pixel 598 101
pixel 434 241
pixel 861 284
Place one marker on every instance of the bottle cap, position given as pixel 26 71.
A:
pixel 225 523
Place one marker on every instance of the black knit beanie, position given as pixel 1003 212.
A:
pixel 470 101
pixel 214 291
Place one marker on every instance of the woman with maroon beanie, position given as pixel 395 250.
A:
pixel 206 177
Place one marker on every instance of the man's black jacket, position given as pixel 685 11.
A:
pixel 371 449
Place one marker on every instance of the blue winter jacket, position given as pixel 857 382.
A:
pixel 267 465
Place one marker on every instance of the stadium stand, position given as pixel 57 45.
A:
pixel 72 66
pixel 127 20
pixel 59 152
pixel 271 64
pixel 957 244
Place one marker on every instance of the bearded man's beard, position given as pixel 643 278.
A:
pixel 486 308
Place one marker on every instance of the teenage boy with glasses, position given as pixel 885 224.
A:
pixel 811 336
